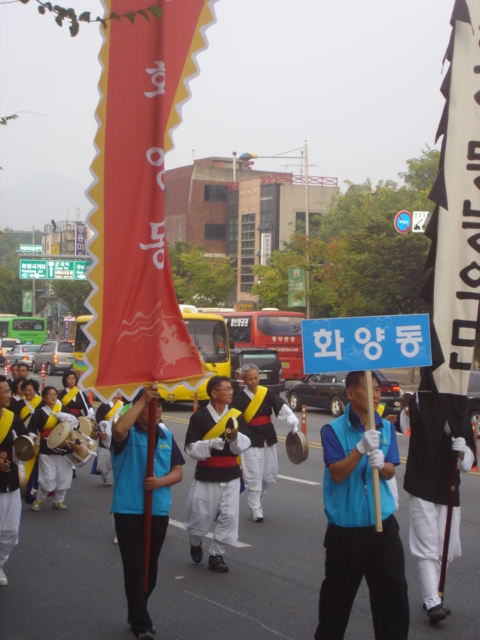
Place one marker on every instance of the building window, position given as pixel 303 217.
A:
pixel 215 193
pixel 247 252
pixel 232 238
pixel 314 221
pixel 215 231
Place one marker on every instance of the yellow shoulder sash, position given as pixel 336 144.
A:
pixel 52 420
pixel 255 403
pixel 116 407
pixel 219 428
pixel 68 397
pixel 6 420
pixel 30 407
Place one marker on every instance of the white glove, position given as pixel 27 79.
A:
pixel 376 459
pixel 63 416
pixel 370 441
pixel 102 425
pixel 459 444
pixel 217 443
pixel 292 422
pixel 91 413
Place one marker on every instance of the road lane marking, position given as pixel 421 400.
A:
pixel 299 480
pixel 180 525
pixel 238 613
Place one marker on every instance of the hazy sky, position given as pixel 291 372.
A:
pixel 359 79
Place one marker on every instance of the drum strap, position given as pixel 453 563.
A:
pixel 68 397
pixel 52 420
pixel 116 407
pixel 6 420
pixel 255 403
pixel 219 428
pixel 30 407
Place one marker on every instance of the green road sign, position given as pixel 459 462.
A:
pixel 33 270
pixel 31 248
pixel 54 269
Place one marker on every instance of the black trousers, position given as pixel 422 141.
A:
pixel 130 534
pixel 352 553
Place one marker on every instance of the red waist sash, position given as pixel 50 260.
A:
pixel 218 461
pixel 256 422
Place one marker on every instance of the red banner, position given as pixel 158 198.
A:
pixel 137 334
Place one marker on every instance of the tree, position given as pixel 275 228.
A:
pixel 200 280
pixel 359 264
pixel 73 293
pixel 10 292
pixel 69 15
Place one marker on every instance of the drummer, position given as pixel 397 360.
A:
pixel 74 399
pixel 105 415
pixel 10 499
pixel 260 463
pixel 17 394
pixel 54 469
pixel 30 401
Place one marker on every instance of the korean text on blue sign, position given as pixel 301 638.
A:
pixel 373 342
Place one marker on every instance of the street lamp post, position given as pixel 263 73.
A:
pixel 252 156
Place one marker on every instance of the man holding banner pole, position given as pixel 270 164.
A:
pixel 129 445
pixel 354 548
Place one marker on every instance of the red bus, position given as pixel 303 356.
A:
pixel 280 330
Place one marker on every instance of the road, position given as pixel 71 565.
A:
pixel 65 577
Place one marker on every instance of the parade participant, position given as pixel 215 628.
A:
pixel 428 481
pixel 54 469
pixel 22 370
pixel 13 373
pixel 354 548
pixel 404 419
pixel 129 446
pixel 10 500
pixel 72 398
pixel 17 394
pixel 215 492
pixel 30 401
pixel 104 417
pixel 260 462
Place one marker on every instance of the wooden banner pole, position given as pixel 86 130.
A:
pixel 375 472
pixel 152 423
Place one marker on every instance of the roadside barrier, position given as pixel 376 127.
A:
pixel 43 375
pixel 195 402
pixel 304 419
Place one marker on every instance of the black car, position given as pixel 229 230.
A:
pixel 327 391
pixel 473 401
pixel 268 363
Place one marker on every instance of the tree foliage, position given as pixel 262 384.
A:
pixel 359 265
pixel 10 292
pixel 200 280
pixel 73 293
pixel 62 14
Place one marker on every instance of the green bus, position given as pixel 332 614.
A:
pixel 24 328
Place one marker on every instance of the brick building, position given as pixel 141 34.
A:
pixel 239 212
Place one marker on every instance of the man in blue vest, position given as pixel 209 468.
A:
pixel 353 548
pixel 129 448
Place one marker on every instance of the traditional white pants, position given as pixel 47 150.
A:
pixel 54 474
pixel 10 512
pixel 427 532
pixel 213 504
pixel 260 470
pixel 104 463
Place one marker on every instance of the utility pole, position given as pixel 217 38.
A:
pixel 33 281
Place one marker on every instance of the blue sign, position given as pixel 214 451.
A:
pixel 358 344
pixel 403 221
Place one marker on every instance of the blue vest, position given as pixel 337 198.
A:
pixel 350 503
pixel 129 471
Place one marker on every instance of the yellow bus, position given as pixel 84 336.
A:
pixel 209 335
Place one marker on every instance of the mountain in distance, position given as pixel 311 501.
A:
pixel 40 199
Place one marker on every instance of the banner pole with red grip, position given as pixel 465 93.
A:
pixel 152 423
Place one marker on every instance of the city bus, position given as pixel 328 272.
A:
pixel 271 329
pixel 209 335
pixel 24 328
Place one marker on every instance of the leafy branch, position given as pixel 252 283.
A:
pixel 4 119
pixel 62 14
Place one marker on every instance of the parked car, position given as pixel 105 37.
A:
pixel 56 356
pixel 472 409
pixel 6 345
pixel 23 353
pixel 327 391
pixel 268 362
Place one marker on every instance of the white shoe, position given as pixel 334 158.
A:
pixel 257 514
pixel 3 578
